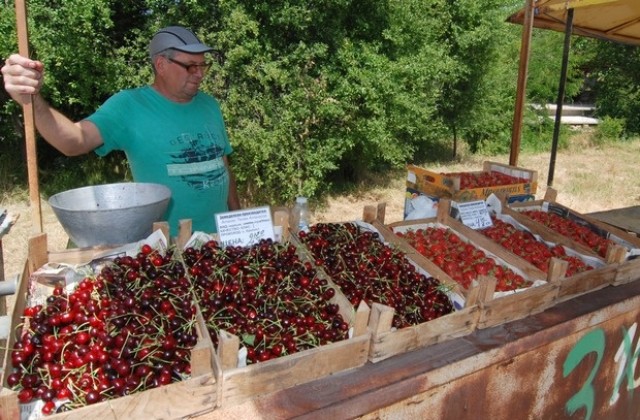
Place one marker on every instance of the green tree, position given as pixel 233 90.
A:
pixel 313 93
pixel 474 36
pixel 617 83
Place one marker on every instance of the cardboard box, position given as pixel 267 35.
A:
pixel 435 185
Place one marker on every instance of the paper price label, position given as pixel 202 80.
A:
pixel 475 215
pixel 244 227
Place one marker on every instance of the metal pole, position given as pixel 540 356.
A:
pixel 525 49
pixel 561 90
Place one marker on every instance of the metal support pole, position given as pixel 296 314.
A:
pixel 561 90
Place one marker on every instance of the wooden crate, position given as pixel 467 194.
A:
pixel 618 255
pixel 568 287
pixel 194 396
pixel 239 384
pixel 387 341
pixel 495 307
pixel 624 241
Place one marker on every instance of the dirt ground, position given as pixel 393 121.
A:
pixel 587 179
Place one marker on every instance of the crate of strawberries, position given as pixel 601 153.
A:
pixel 518 183
pixel 506 285
pixel 410 308
pixel 581 231
pixel 612 245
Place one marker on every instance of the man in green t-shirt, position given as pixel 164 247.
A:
pixel 171 132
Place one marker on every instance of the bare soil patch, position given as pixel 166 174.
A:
pixel 588 179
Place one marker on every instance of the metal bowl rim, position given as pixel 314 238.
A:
pixel 165 197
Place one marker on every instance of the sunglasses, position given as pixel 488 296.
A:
pixel 191 68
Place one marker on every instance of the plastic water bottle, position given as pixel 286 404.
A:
pixel 301 215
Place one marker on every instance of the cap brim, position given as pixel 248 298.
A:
pixel 194 48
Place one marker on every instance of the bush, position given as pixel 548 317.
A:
pixel 609 130
pixel 537 135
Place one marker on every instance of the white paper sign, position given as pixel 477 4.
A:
pixel 474 214
pixel 244 227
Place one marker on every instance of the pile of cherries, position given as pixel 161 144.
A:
pixel 461 260
pixel 366 269
pixel 267 295
pixel 127 329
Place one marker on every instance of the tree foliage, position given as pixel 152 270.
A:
pixel 617 83
pixel 312 92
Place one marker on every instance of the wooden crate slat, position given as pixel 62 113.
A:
pixel 241 384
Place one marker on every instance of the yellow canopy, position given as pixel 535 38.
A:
pixel 613 20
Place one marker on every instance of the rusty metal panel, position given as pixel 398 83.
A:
pixel 584 368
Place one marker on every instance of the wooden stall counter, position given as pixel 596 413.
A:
pixel 627 218
pixel 574 360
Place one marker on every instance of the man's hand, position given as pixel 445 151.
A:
pixel 23 77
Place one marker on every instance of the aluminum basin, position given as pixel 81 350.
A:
pixel 110 214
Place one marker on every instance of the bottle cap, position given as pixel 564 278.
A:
pixel 301 200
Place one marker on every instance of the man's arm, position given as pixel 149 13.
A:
pixel 23 80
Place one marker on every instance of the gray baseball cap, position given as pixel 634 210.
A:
pixel 177 38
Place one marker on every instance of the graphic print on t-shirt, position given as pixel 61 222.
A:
pixel 199 163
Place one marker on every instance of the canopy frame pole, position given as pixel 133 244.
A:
pixel 525 50
pixel 561 92
pixel 29 123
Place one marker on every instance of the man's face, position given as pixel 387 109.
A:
pixel 183 74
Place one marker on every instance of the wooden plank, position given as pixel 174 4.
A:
pixel 586 281
pixel 281 218
pixel 361 322
pixel 179 400
pixel 369 213
pixel 382 212
pixel 77 256
pixel 244 383
pixel 9 406
pixel 29 123
pixel 185 227
pixel 627 218
pixel 227 351
pixel 37 252
pixel 518 305
pixel 627 272
pixel 386 342
pixel 164 228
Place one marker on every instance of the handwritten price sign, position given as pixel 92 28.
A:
pixel 474 214
pixel 244 227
